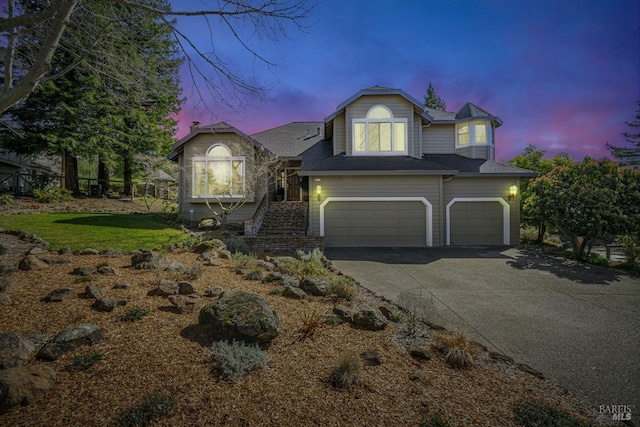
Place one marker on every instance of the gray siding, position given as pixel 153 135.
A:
pixel 400 107
pixel 439 139
pixel 377 186
pixel 477 152
pixel 339 135
pixel 485 187
pixel 197 147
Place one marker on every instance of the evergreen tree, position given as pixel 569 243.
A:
pixel 432 100
pixel 629 155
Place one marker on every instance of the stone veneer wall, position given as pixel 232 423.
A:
pixel 284 245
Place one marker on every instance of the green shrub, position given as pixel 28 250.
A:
pixel 6 199
pixel 333 320
pixel 84 362
pixel 347 372
pixel 134 314
pixel 52 195
pixel 435 421
pixel 236 244
pixel 343 287
pixel 155 405
pixel 257 273
pixel 313 256
pixel 193 271
pixel 596 259
pixel 244 261
pixel 631 247
pixel 537 414
pixel 237 358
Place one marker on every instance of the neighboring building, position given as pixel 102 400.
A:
pixel 20 174
pixel 380 171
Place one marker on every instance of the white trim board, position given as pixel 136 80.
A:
pixel 423 200
pixel 506 215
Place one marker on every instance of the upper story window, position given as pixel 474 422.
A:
pixel 379 133
pixel 477 132
pixel 218 174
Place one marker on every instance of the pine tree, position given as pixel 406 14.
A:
pixel 432 100
pixel 629 155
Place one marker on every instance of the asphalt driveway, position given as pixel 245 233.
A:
pixel 578 325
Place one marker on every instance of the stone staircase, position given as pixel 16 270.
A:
pixel 285 219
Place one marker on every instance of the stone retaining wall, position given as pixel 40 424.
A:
pixel 283 245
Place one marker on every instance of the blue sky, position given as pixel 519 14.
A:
pixel 558 73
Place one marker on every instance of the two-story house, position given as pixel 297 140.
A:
pixel 379 171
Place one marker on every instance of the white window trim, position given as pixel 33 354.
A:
pixel 391 120
pixel 206 159
pixel 423 200
pixel 506 215
pixel 472 134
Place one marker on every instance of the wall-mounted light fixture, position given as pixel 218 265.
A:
pixel 513 190
pixel 318 191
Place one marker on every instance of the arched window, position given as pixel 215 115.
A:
pixel 218 174
pixel 379 133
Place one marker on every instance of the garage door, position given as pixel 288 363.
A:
pixel 477 223
pixel 377 223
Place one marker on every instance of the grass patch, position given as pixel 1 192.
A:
pixel 154 405
pixel 537 414
pixel 134 314
pixel 126 232
pixel 84 362
pixel 347 372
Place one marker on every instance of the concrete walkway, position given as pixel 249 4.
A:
pixel 578 325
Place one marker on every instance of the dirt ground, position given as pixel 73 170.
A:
pixel 167 352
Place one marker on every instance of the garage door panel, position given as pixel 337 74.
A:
pixel 383 223
pixel 476 223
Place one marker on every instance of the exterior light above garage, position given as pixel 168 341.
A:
pixel 319 191
pixel 513 190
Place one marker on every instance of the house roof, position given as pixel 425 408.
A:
pixel 375 165
pixel 477 167
pixel 291 140
pixel 221 127
pixel 380 90
pixel 471 111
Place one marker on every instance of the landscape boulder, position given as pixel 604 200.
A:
pixel 175 266
pixel 316 286
pixel 7 284
pixel 187 303
pixel 123 285
pixel 242 316
pixel 345 313
pixel 70 339
pixel 89 251
pixel 281 279
pixel 166 287
pixel 23 385
pixel 186 288
pixel 4 298
pixel 213 291
pixel 108 304
pixel 294 293
pixel 32 263
pixel 371 319
pixel 84 271
pixel 107 270
pixel 371 358
pixel 420 353
pixel 210 246
pixel 95 292
pixel 146 260
pixel 60 295
pixel 37 250
pixel 269 266
pixel 15 350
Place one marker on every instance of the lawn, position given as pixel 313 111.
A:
pixel 126 232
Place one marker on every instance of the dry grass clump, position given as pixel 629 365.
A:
pixel 343 287
pixel 312 321
pixel 458 351
pixel 243 261
pixel 347 372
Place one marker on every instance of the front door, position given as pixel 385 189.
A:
pixel 293 185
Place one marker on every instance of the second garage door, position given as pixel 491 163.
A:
pixel 477 223
pixel 378 223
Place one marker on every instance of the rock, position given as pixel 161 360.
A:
pixel 316 286
pixel 186 288
pixel 146 260
pixel 55 261
pixel 215 262
pixel 213 291
pixel 175 266
pixel 242 316
pixel 187 303
pixel 84 271
pixel 15 350
pixel 281 279
pixel 23 385
pixel 108 304
pixel 345 313
pixel 279 261
pixel 225 254
pixel 4 298
pixel 417 376
pixel 166 287
pixel 108 271
pixel 37 250
pixel 210 246
pixel 70 339
pixel 60 295
pixel 385 312
pixel 209 223
pixel 266 265
pixel 89 251
pixel 95 292
pixel 420 353
pixel 32 263
pixel 370 319
pixel 295 293
pixel 371 358
pixel 65 251
pixel 7 284
pixel 123 285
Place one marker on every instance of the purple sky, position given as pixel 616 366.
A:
pixel 554 71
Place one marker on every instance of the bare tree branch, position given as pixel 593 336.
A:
pixel 13 22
